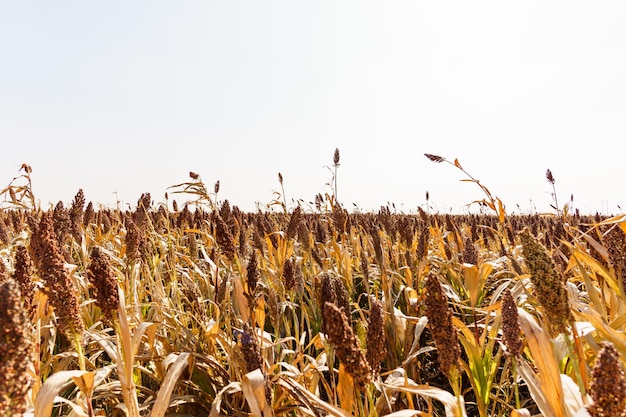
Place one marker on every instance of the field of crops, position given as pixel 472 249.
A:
pixel 206 310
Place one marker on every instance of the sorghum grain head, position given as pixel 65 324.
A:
pixel 102 277
pixel 510 325
pixel 16 351
pixel 76 215
pixel 224 238
pixel 470 254
pixel 548 284
pixel 289 275
pixel 608 385
pixel 346 344
pixel 615 243
pixel 23 274
pixel 58 284
pixel 252 272
pixel 376 346
pixel 441 327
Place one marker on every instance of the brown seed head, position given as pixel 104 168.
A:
pixel 4 231
pixel 224 238
pixel 440 325
pixel 102 277
pixel 346 344
pixel 548 284
pixel 252 273
pixel 76 215
pixel 470 254
pixel 23 274
pixel 133 241
pixel 289 275
pixel 16 351
pixel 294 222
pixel 4 273
pixel 89 215
pixel 252 356
pixel 510 325
pixel 608 384
pixel 615 243
pixel 376 346
pixel 435 158
pixel 58 284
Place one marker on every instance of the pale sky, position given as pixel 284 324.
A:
pixel 125 97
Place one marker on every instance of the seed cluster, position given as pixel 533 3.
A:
pixel 441 327
pixel 104 281
pixel 608 385
pixel 548 284
pixel 59 287
pixel 347 347
pixel 16 351
pixel 510 325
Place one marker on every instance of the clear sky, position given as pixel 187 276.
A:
pixel 125 97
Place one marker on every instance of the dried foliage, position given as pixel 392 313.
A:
pixel 205 310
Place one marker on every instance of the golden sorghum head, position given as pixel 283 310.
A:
pixel 102 277
pixel 16 351
pixel 23 274
pixel 608 385
pixel 548 284
pixel 440 325
pixel 58 284
pixel 376 346
pixel 346 344
pixel 510 325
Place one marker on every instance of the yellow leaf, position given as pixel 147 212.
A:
pixel 472 282
pixel 548 374
pixel 457 164
pixel 259 313
pixel 253 387
pixel 85 382
pixel 345 389
pixel 50 389
pixel 175 370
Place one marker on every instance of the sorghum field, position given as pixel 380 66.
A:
pixel 205 310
